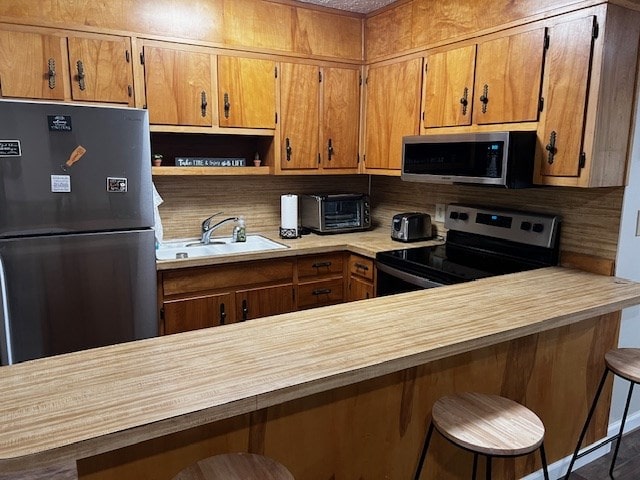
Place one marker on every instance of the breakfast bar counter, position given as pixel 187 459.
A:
pixel 86 403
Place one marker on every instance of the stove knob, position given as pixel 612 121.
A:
pixel 526 226
pixel 463 216
pixel 538 227
pixel 453 215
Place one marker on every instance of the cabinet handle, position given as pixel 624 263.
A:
pixel 203 103
pixel 322 291
pixel 81 75
pixel 329 150
pixel 245 311
pixel 288 148
pixel 464 101
pixel 551 148
pixel 361 266
pixel 484 98
pixel 227 105
pixel 223 314
pixel 52 73
pixel 321 264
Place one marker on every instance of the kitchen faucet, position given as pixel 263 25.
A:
pixel 208 229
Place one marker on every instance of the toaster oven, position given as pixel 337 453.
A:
pixel 335 213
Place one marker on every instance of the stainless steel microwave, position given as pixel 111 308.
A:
pixel 502 159
pixel 337 213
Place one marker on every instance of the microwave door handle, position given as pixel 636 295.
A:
pixel 6 355
pixel 408 277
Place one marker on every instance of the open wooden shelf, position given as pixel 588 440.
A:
pixel 210 171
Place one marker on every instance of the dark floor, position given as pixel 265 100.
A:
pixel 627 464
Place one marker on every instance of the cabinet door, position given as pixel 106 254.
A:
pixel 178 86
pixel 32 65
pixel 246 92
pixel 264 301
pixel 199 312
pixel 566 84
pixel 359 289
pixel 299 107
pixel 340 106
pixel 101 70
pixel 392 111
pixel 508 76
pixel 448 87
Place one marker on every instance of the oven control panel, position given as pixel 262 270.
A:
pixel 517 226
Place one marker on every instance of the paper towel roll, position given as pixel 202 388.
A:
pixel 289 212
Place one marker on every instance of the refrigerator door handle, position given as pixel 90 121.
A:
pixel 6 356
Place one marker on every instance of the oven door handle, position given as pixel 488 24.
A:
pixel 408 277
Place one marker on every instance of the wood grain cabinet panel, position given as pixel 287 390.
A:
pixel 246 92
pixel 198 312
pixel 448 87
pixel 320 117
pixel 178 86
pixel 320 293
pixel 102 70
pixel 508 76
pixel 262 302
pixel 361 284
pixel 322 265
pixel 392 111
pixel 588 86
pixel 32 65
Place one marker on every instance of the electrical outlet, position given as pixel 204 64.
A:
pixel 440 209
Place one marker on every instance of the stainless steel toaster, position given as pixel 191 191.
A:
pixel 411 226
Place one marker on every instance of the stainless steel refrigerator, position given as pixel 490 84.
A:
pixel 77 251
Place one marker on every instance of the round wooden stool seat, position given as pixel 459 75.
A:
pixel 488 424
pixel 624 362
pixel 235 466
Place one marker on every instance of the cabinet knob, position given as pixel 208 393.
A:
pixel 464 101
pixel 484 98
pixel 52 73
pixel 245 311
pixel 551 148
pixel 203 103
pixel 288 149
pixel 223 314
pixel 81 75
pixel 329 149
pixel 227 105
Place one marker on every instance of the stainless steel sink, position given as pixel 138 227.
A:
pixel 192 248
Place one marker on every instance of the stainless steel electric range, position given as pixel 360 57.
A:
pixel 481 242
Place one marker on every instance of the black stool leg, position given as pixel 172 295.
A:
pixel 586 423
pixel 488 467
pixel 619 436
pixel 423 454
pixel 543 457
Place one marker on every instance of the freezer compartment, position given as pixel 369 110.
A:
pixel 65 293
pixel 73 168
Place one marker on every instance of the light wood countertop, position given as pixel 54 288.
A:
pixel 364 243
pixel 84 403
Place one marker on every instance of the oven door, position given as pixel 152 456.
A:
pixel 391 281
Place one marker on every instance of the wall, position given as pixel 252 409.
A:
pixel 628 266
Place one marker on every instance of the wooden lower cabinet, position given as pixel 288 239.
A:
pixel 361 278
pixel 374 429
pixel 262 302
pixel 199 312
pixel 320 279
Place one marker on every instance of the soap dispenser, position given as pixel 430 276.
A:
pixel 240 231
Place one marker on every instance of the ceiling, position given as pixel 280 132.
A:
pixel 361 6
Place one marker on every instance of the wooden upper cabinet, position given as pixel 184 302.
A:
pixel 566 85
pixel 340 106
pixel 246 92
pixel 101 69
pixel 299 107
pixel 178 86
pixel 32 65
pixel 392 111
pixel 508 76
pixel 448 87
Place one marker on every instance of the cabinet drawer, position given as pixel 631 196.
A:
pixel 316 294
pixel 361 266
pixel 320 265
pixel 200 279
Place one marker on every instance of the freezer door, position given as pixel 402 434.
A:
pixel 73 168
pixel 71 292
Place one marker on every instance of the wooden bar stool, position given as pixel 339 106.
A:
pixel 235 466
pixel 487 425
pixel 625 363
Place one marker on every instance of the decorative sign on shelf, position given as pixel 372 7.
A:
pixel 209 162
